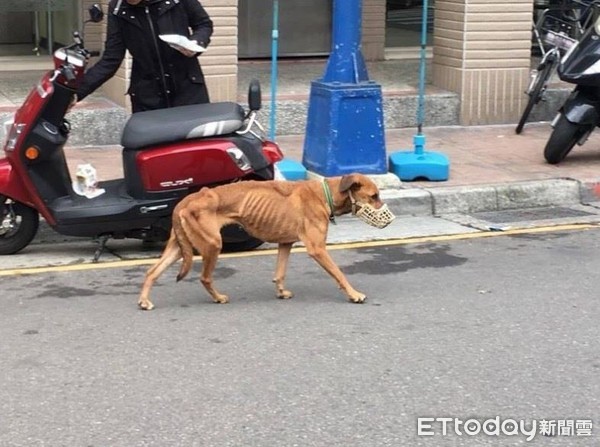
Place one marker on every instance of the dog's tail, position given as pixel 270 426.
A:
pixel 186 247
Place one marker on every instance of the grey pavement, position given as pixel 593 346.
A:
pixel 504 327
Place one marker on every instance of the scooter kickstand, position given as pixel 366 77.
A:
pixel 102 240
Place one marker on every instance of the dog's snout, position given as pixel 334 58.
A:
pixel 375 201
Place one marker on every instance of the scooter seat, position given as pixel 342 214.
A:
pixel 164 126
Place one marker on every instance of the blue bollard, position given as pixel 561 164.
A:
pixel 345 128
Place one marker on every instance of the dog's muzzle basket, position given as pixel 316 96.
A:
pixel 379 218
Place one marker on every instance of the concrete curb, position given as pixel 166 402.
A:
pixel 589 191
pixel 435 201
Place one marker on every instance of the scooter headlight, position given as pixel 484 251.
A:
pixel 13 131
pixel 5 129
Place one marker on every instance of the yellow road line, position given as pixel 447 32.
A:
pixel 345 246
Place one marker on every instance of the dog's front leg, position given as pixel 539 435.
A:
pixel 318 251
pixel 283 254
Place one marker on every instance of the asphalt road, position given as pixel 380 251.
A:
pixel 501 327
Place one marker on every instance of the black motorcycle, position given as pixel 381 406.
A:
pixel 580 114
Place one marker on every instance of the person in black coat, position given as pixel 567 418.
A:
pixel 161 76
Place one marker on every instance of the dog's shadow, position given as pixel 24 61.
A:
pixel 400 259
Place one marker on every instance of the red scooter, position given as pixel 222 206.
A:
pixel 167 154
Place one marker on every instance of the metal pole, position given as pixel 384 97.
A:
pixel 49 21
pixel 274 52
pixel 36 18
pixel 346 63
pixel 422 69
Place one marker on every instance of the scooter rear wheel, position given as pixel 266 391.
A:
pixel 18 225
pixel 563 138
pixel 236 239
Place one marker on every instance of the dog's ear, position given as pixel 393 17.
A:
pixel 349 181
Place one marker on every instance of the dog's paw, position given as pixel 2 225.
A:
pixel 145 305
pixel 358 298
pixel 221 299
pixel 285 295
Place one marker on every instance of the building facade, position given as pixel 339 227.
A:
pixel 482 51
pixel 481 48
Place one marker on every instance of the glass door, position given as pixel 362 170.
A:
pixel 403 23
pixel 36 27
pixel 304 28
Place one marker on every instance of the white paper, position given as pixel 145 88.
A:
pixel 177 40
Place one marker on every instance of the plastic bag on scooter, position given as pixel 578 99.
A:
pixel 5 130
pixel 86 182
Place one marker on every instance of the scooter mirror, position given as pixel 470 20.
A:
pixel 96 13
pixel 254 95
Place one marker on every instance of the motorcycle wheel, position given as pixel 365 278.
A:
pixel 18 225
pixel 236 239
pixel 563 138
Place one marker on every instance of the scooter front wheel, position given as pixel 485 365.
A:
pixel 563 138
pixel 18 225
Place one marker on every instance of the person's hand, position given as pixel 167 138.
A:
pixel 186 52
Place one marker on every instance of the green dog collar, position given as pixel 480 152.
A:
pixel 329 199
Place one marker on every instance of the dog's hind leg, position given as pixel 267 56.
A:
pixel 210 254
pixel 205 235
pixel 283 254
pixel 169 256
pixel 317 249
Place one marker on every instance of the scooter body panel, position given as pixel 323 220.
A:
pixel 577 67
pixel 113 213
pixel 187 164
pixel 582 106
pixel 164 170
pixel 26 119
pixel 11 184
pixel 36 100
pixel 581 66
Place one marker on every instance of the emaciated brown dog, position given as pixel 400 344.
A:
pixel 274 211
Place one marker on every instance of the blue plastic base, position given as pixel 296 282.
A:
pixel 433 166
pixel 291 170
